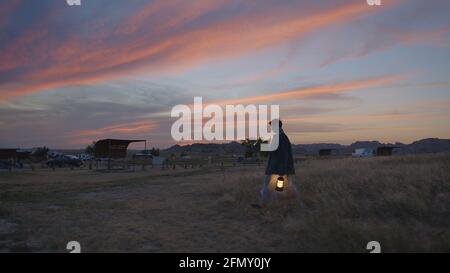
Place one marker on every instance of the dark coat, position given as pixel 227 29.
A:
pixel 280 160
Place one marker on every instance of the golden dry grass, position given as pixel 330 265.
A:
pixel 402 201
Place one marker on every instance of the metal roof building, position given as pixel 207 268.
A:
pixel 113 148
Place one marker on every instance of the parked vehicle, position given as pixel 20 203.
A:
pixel 143 155
pixel 54 154
pixel 362 152
pixel 85 157
pixel 5 164
pixel 65 161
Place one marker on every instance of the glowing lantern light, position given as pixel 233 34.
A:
pixel 280 184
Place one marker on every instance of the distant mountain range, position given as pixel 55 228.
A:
pixel 429 145
pixel 208 148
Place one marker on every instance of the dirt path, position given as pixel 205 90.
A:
pixel 176 211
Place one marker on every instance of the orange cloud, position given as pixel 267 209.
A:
pixel 46 62
pixel 392 38
pixel 434 85
pixel 298 93
pixel 435 36
pixel 122 128
pixel 361 118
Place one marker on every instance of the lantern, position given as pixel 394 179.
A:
pixel 280 184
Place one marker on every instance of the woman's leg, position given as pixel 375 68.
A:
pixel 292 189
pixel 265 192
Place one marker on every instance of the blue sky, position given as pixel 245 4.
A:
pixel 341 70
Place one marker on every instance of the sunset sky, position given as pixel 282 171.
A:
pixel 341 71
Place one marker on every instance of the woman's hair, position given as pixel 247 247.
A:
pixel 280 124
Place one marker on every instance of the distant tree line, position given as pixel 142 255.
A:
pixel 253 148
pixel 41 152
pixel 90 149
pixel 154 152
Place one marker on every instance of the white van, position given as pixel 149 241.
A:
pixel 363 152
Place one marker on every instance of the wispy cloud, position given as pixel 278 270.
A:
pixel 40 59
pixel 385 38
pixel 124 128
pixel 300 93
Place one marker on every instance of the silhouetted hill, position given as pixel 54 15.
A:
pixel 365 144
pixel 209 148
pixel 315 148
pixel 429 145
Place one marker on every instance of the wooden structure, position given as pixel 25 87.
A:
pixel 15 154
pixel 385 150
pixel 113 148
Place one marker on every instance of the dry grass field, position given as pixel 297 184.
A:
pixel 401 201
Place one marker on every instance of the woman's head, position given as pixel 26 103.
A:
pixel 274 122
